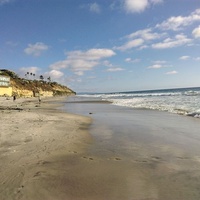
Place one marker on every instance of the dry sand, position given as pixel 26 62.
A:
pixel 32 135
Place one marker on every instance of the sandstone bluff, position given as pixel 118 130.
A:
pixel 22 87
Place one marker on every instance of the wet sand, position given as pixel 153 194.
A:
pixel 141 154
pixel 47 154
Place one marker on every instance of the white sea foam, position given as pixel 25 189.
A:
pixel 180 101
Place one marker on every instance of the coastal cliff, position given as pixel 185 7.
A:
pixel 32 88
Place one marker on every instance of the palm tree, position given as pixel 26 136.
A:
pixel 49 79
pixel 41 77
pixel 27 73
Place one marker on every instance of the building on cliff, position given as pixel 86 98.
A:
pixel 5 87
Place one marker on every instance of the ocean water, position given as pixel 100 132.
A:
pixel 184 101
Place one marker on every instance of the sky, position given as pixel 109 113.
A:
pixel 103 45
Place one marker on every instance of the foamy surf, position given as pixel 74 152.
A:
pixel 184 101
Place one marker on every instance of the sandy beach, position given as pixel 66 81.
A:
pixel 32 135
pixel 98 152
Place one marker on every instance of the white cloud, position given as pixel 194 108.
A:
pixel 107 63
pixel 156 1
pixel 196 32
pixel 156 66
pixel 184 57
pixel 81 61
pixel 130 60
pixel 146 38
pixel 114 69
pixel 179 40
pixel 131 44
pixel 5 1
pixel 143 47
pixel 171 72
pixel 110 66
pixel 94 7
pixel 139 38
pixel 79 73
pixel 145 34
pixel 135 6
pixel 36 49
pixel 54 74
pixel 92 54
pixel 159 62
pixel 197 59
pixel 78 66
pixel 177 23
pixel 138 6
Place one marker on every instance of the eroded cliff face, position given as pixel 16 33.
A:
pixel 31 88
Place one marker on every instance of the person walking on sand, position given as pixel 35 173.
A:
pixel 39 99
pixel 14 98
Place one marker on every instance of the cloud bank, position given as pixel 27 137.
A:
pixel 81 61
pixel 36 49
pixel 179 40
pixel 179 22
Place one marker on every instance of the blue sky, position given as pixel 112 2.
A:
pixel 103 45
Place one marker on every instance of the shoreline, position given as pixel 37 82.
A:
pixel 150 154
pixel 96 151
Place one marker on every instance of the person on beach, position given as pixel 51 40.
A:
pixel 14 98
pixel 39 99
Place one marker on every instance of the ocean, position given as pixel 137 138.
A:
pixel 184 101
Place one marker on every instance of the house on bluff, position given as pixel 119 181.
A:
pixel 5 87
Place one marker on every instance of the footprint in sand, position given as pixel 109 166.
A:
pixel 156 157
pixel 72 151
pixel 43 162
pixel 38 174
pixel 183 158
pixel 141 161
pixel 117 158
pixel 89 158
pixel 28 139
pixel 19 189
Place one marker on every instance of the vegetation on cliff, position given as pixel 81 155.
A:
pixel 26 87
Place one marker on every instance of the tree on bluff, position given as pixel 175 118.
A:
pixel 41 77
pixel 49 79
